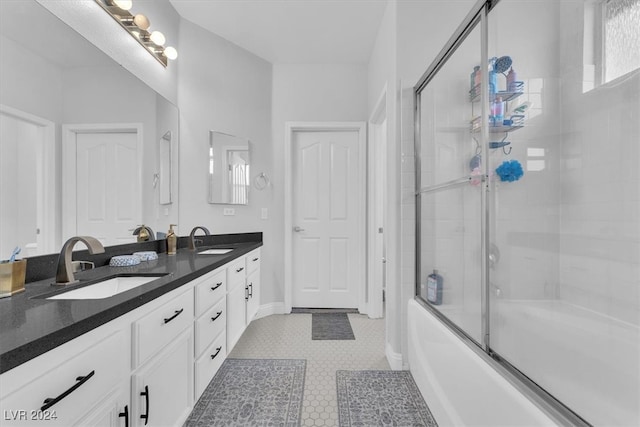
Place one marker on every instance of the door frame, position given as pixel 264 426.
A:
pixel 47 194
pixel 379 115
pixel 69 166
pixel 290 129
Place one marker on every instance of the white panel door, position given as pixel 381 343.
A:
pixel 20 169
pixel 108 186
pixel 327 253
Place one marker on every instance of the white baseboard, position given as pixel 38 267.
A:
pixel 394 359
pixel 269 309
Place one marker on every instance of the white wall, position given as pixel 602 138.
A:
pixel 88 19
pixel 308 92
pixel 225 88
pixel 381 77
pixel 121 96
pixel 410 36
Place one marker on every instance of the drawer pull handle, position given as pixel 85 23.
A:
pixel 218 314
pixel 125 414
pixel 255 259
pixel 251 290
pixel 167 320
pixel 50 401
pixel 145 393
pixel 213 356
pixel 246 293
pixel 239 270
pixel 216 286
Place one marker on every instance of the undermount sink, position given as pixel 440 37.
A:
pixel 107 288
pixel 215 252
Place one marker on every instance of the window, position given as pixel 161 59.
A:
pixel 621 38
pixel 611 40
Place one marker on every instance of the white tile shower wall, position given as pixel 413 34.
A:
pixel 526 213
pixel 600 192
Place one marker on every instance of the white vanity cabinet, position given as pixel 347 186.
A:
pixel 243 298
pixel 253 284
pixel 84 379
pixel 162 383
pixel 210 327
pixel 144 368
pixel 162 389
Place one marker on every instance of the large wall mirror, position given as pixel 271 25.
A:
pixel 86 147
pixel 229 163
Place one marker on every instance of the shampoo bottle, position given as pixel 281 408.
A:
pixel 172 240
pixel 434 288
pixel 511 80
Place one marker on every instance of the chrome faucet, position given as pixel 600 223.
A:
pixel 64 274
pixel 192 239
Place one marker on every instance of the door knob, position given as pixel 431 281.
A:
pixel 297 229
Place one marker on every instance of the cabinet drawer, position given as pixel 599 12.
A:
pixel 210 290
pixel 253 261
pixel 208 364
pixel 210 325
pixel 88 377
pixel 158 328
pixel 236 272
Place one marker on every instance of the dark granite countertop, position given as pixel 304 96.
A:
pixel 31 325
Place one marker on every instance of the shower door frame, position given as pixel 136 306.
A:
pixel 479 14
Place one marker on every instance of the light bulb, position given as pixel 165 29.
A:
pixel 170 52
pixel 123 4
pixel 141 21
pixel 158 38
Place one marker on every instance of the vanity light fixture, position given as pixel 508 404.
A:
pixel 138 26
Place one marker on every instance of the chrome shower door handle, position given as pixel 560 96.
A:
pixel 297 229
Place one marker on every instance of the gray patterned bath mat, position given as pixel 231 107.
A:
pixel 304 310
pixel 252 392
pixel 331 326
pixel 381 398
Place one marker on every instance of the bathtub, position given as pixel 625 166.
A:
pixel 459 386
pixel 595 372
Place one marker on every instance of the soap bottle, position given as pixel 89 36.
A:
pixel 172 240
pixel 434 288
pixel 474 80
pixel 497 112
pixel 511 80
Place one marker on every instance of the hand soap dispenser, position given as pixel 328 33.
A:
pixel 172 240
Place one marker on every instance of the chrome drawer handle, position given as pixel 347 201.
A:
pixel 218 314
pixel 216 286
pixel 239 270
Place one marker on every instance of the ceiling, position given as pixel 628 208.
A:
pixel 292 31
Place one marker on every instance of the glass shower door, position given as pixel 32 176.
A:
pixel 565 237
pixel 449 198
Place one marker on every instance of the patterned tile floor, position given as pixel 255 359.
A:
pixel 289 337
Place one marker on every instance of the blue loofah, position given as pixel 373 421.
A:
pixel 510 170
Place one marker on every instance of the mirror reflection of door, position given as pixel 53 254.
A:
pixel 229 169
pixel 101 181
pixel 27 214
pixel 238 177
